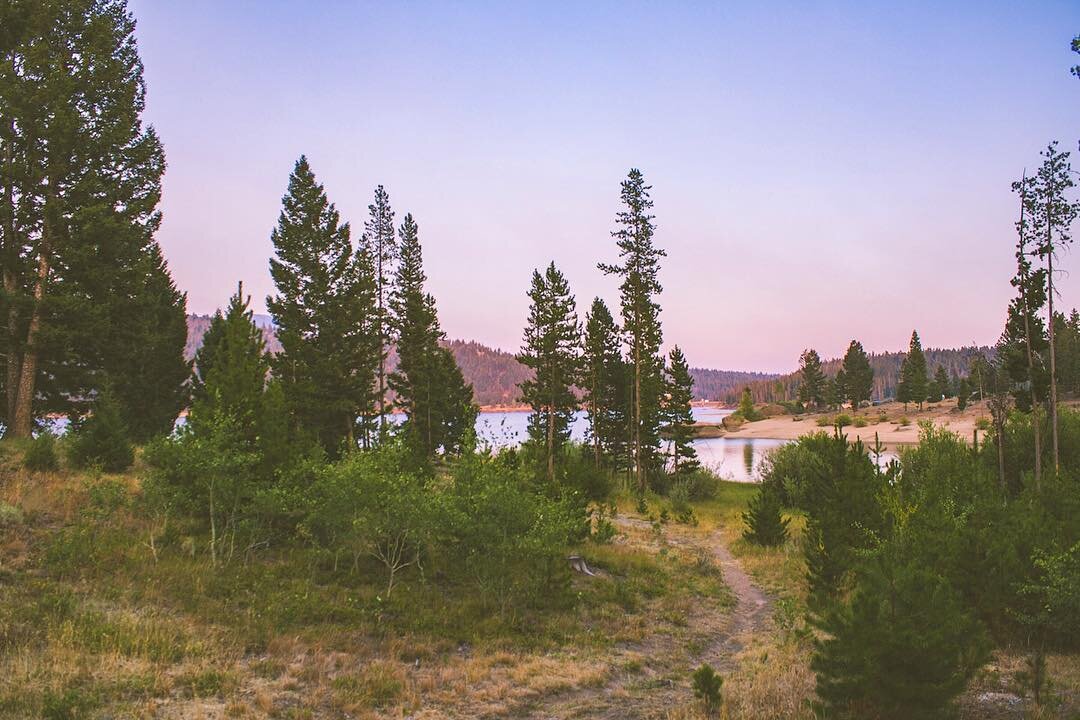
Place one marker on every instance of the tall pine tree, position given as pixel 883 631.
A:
pixel 323 312
pixel 679 416
pixel 812 385
pixel 603 378
pixel 639 268
pixel 380 243
pixel 858 375
pixel 429 386
pixel 551 348
pixel 913 377
pixel 86 295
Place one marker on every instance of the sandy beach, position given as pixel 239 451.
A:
pixel 891 430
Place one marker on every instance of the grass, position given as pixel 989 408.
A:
pixel 111 609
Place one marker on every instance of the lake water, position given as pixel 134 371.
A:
pixel 736 459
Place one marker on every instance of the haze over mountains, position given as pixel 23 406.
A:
pixel 495 374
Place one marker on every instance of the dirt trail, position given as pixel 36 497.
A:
pixel 663 685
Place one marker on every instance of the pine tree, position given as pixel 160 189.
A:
pixel 323 313
pixel 941 384
pixel 812 385
pixel 234 368
pixel 639 268
pixel 913 379
pixel 765 524
pixel 836 389
pixel 963 393
pixel 601 376
pixel 1054 214
pixel 858 375
pixel 679 416
pixel 80 181
pixel 380 242
pixel 551 348
pixel 428 384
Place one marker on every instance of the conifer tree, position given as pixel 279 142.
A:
pixel 639 266
pixel 430 389
pixel 963 393
pixel 1054 214
pixel 679 416
pixel 941 383
pixel 233 370
pixel 858 375
pixel 836 389
pixel 323 312
pixel 812 385
pixel 80 180
pixel 765 524
pixel 601 379
pixel 913 378
pixel 380 243
pixel 551 348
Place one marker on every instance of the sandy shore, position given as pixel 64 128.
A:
pixel 891 431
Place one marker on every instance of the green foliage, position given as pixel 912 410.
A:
pixel 842 420
pixel 101 439
pixel 430 389
pixel 746 409
pixel 765 524
pixel 41 455
pixel 903 646
pixel 963 393
pixel 639 269
pixel 941 383
pixel 812 385
pixel 603 378
pixel 707 685
pixel 913 379
pixel 551 349
pixel 323 312
pixel 678 415
pixel 858 375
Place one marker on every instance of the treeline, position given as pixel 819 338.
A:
pixel 886 368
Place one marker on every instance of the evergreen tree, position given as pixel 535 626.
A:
pixel 679 416
pixel 836 389
pixel 323 313
pixel 437 402
pixel 746 405
pixel 913 379
pixel 812 385
pixel 963 393
pixel 639 266
pixel 941 383
pixel 858 375
pixel 80 181
pixel 101 438
pixel 765 524
pixel 1052 220
pixel 236 367
pixel 601 379
pixel 551 348
pixel 380 243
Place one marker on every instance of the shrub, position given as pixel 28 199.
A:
pixel 101 438
pixel 703 484
pixel 707 685
pixel 10 516
pixel 764 523
pixel 904 421
pixel 680 502
pixel 859 422
pixel 842 420
pixel 41 454
pixel 579 472
pixel 824 421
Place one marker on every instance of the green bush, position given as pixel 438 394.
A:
pixel 702 483
pixel 859 422
pixel 842 420
pixel 765 525
pixel 680 502
pixel 707 685
pixel 101 438
pixel 41 454
pixel 824 421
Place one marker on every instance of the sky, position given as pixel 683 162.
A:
pixel 820 171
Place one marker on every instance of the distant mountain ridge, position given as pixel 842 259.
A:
pixel 495 374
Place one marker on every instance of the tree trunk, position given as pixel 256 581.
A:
pixel 1053 363
pixel 1036 425
pixel 10 257
pixel 22 424
pixel 639 470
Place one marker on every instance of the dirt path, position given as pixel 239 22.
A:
pixel 661 662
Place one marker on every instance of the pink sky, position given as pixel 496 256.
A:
pixel 819 174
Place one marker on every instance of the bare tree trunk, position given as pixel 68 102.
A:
pixel 1036 425
pixel 640 471
pixel 551 443
pixel 10 257
pixel 1053 362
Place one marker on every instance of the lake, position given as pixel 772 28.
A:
pixel 736 459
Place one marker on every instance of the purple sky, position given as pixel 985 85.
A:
pixel 821 171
